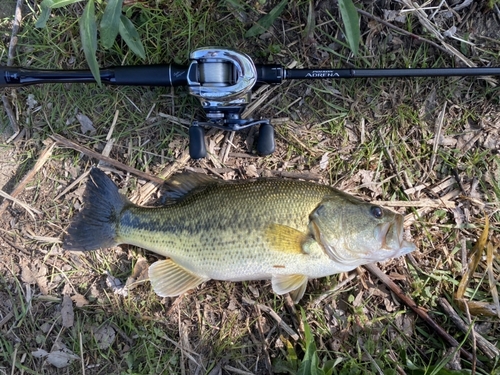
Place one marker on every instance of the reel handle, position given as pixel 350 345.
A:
pixel 197 147
pixel 265 142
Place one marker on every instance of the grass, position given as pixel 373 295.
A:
pixel 373 138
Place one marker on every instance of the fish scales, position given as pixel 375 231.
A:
pixel 287 231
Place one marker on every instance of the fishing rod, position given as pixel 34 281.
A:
pixel 222 79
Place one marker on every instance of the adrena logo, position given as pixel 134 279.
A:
pixel 322 74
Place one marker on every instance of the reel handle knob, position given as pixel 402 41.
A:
pixel 197 148
pixel 265 141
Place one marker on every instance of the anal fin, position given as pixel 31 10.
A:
pixel 169 279
pixel 293 284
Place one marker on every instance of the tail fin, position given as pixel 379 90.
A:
pixel 95 225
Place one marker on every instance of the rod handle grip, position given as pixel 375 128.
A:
pixel 150 75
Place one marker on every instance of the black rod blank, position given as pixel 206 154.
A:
pixel 176 75
pixel 387 73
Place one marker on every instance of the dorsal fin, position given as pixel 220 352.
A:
pixel 181 184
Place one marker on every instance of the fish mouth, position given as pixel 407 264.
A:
pixel 390 236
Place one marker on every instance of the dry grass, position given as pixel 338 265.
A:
pixel 426 147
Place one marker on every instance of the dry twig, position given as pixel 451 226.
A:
pixel 11 117
pixel 44 156
pixel 486 347
pixel 10 60
pixel 294 335
pixel 32 211
pixel 437 136
pixel 402 31
pixel 15 30
pixel 84 150
pixel 419 311
pixel 148 189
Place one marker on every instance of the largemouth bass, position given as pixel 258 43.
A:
pixel 283 230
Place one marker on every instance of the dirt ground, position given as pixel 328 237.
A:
pixel 425 147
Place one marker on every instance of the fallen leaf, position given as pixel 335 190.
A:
pixel 86 124
pixel 389 306
pixel 394 16
pixel 251 171
pixel 104 336
pixel 323 164
pixel 27 275
pixel 31 102
pixel 139 274
pixel 367 180
pixel 116 285
pixel 67 313
pixel 233 304
pixel 61 358
pixel 254 290
pixel 491 276
pixel 43 285
pixel 79 300
pixel 492 141
pixel 140 267
pixel 45 327
pixel 39 353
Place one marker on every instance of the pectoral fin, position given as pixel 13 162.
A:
pixel 293 284
pixel 169 279
pixel 298 293
pixel 284 238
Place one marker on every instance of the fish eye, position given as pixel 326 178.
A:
pixel 376 212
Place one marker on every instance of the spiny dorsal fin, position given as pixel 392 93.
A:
pixel 284 238
pixel 169 279
pixel 184 183
pixel 293 284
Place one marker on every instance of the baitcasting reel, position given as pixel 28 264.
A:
pixel 222 79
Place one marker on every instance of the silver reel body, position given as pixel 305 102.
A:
pixel 222 79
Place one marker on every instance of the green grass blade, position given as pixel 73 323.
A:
pixel 110 22
pixel 41 22
pixel 265 22
pixel 57 3
pixel 47 3
pixel 310 362
pixel 88 35
pixel 236 4
pixel 46 6
pixel 131 37
pixel 311 21
pixel 351 22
